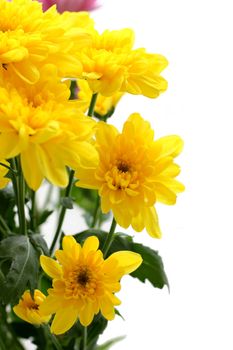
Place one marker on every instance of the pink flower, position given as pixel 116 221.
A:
pixel 70 5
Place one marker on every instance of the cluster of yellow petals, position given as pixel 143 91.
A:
pixel 110 65
pixel 29 309
pixel 133 172
pixel 84 284
pixel 48 131
pixel 30 38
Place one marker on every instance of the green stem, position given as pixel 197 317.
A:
pixel 33 211
pixel 96 212
pixel 110 237
pixel 92 105
pixel 52 337
pixel 4 227
pixel 62 212
pixel 21 202
pixel 19 189
pixel 84 338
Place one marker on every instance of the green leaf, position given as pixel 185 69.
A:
pixel 43 216
pixel 39 243
pixel 21 271
pixel 67 202
pixel 151 269
pixel 7 203
pixel 110 343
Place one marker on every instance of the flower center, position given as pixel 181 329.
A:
pixel 83 277
pixel 81 283
pixel 122 176
pixel 35 307
pixel 123 167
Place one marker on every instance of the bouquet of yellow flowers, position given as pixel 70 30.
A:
pixel 60 82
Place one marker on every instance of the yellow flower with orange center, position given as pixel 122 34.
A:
pixel 29 309
pixel 48 131
pixel 133 173
pixel 84 284
pixel 111 65
pixel 30 38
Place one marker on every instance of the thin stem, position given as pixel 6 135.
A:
pixel 19 189
pixel 52 337
pixel 92 105
pixel 62 212
pixel 21 200
pixel 4 227
pixel 33 211
pixel 96 212
pixel 110 237
pixel 84 338
pixel 9 168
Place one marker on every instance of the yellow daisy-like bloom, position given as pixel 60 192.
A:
pixel 103 105
pixel 40 123
pixel 3 171
pixel 30 309
pixel 84 283
pixel 133 173
pixel 30 38
pixel 111 65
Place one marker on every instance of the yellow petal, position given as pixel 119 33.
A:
pixel 170 145
pixel 64 319
pixel 90 244
pixel 107 308
pixel 87 314
pixel 50 305
pixel 51 267
pixel 33 175
pixel 127 261
pixel 164 194
pixel 53 167
pixel 152 222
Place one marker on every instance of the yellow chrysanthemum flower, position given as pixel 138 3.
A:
pixel 3 171
pixel 103 105
pixel 40 123
pixel 111 65
pixel 30 309
pixel 133 173
pixel 84 283
pixel 30 37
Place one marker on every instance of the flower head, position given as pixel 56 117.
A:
pixel 28 42
pixel 3 171
pixel 70 5
pixel 104 104
pixel 48 131
pixel 133 173
pixel 30 309
pixel 111 65
pixel 84 283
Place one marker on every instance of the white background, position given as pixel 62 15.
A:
pixel 197 38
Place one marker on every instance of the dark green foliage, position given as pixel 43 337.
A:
pixel 19 268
